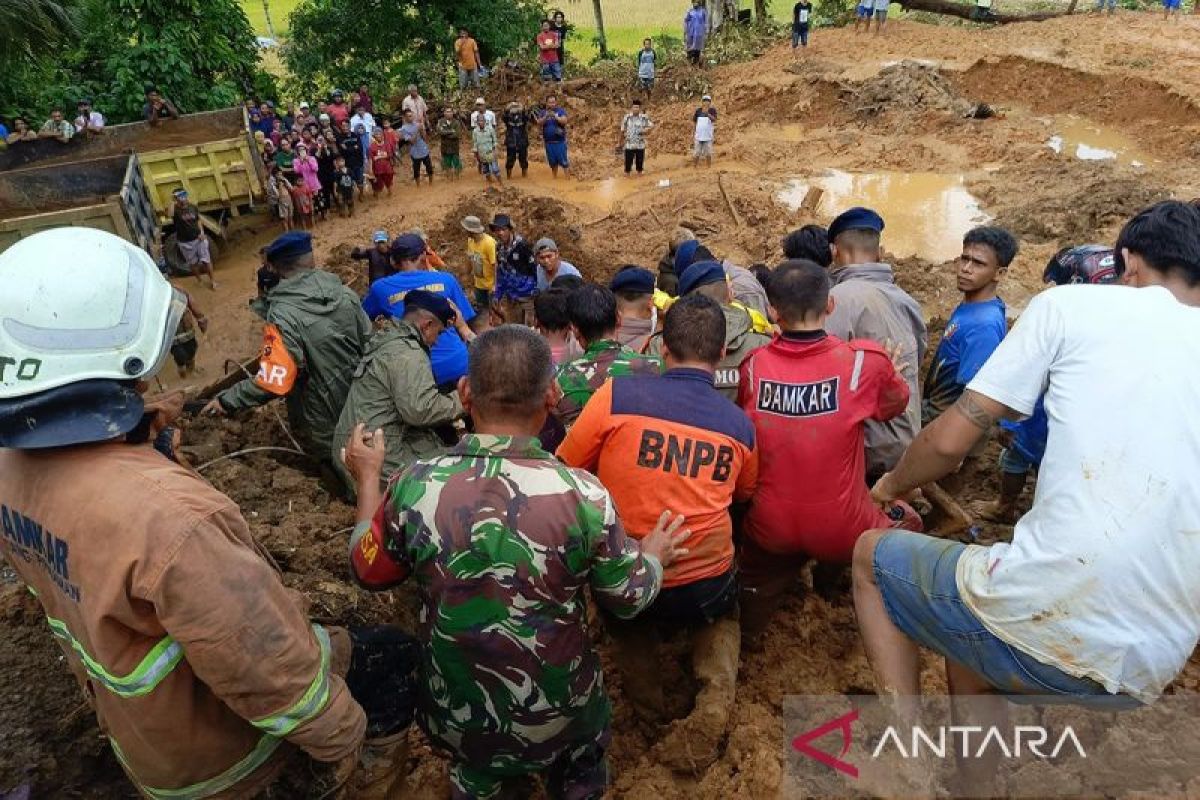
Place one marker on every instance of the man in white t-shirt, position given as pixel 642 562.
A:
pixel 489 116
pixel 1097 595
pixel 706 122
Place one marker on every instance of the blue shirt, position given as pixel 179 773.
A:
pixel 553 131
pixel 1030 435
pixel 972 335
pixel 386 296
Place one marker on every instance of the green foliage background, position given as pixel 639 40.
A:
pixel 390 43
pixel 200 53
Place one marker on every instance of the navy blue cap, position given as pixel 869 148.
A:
pixel 407 245
pixel 633 279
pixel 855 219
pixel 433 303
pixel 289 245
pixel 702 273
pixel 501 221
pixel 683 255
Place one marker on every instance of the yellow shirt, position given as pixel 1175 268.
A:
pixel 467 51
pixel 482 255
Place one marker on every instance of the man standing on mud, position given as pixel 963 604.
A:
pixel 673 440
pixel 516 272
pixel 869 305
pixel 314 336
pixel 553 124
pixel 1096 596
pixel 505 541
pixel 695 32
pixel 516 138
pixel 191 239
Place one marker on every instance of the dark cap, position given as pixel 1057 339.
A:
pixel 289 245
pixel 683 255
pixel 501 221
pixel 702 273
pixel 855 219
pixel 407 245
pixel 633 279
pixel 433 303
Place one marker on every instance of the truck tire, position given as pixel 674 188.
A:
pixel 176 266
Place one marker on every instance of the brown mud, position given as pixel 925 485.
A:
pixel 850 104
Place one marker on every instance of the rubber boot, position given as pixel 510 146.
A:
pixel 636 653
pixel 691 745
pixel 382 770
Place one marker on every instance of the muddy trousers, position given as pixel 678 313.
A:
pixel 515 155
pixel 708 609
pixel 579 772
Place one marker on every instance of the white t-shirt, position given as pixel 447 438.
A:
pixel 489 117
pixel 95 120
pixel 704 128
pixel 882 5
pixel 1102 578
pixel 365 119
pixel 416 105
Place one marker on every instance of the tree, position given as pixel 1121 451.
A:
pixel 200 53
pixel 345 42
pixel 601 38
pixel 28 26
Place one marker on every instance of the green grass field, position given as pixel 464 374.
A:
pixel 627 21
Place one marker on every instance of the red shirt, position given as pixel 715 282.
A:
pixel 808 399
pixel 338 113
pixel 547 42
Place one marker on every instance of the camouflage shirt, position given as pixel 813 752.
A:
pixel 580 377
pixel 502 540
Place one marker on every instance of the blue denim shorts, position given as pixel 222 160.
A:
pixel 916 576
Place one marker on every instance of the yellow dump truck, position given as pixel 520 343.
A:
pixel 212 154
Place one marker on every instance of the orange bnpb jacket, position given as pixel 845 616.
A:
pixel 670 443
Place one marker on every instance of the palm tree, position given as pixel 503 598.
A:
pixel 30 26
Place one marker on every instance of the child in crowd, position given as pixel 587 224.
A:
pixel 344 184
pixel 279 196
pixel 550 319
pixel 381 163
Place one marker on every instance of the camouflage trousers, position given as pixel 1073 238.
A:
pixel 578 773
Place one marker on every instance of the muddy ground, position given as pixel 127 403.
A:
pixel 849 114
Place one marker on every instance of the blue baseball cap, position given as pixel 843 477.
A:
pixel 633 279
pixel 855 219
pixel 433 303
pixel 407 245
pixel 289 245
pixel 702 273
pixel 684 253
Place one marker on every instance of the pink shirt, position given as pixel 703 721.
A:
pixel 306 168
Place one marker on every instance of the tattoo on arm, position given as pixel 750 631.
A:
pixel 975 413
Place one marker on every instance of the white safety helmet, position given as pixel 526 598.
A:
pixel 79 304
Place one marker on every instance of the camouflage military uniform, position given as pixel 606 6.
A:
pixel 503 540
pixel 318 330
pixel 741 339
pixel 580 377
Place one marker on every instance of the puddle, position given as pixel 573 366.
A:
pixel 926 213
pixel 1089 141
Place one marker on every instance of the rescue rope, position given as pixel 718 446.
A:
pixel 248 450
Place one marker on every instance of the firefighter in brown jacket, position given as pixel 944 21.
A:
pixel 203 670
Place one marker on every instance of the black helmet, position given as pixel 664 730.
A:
pixel 1087 263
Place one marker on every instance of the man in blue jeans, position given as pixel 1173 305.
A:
pixel 1096 596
